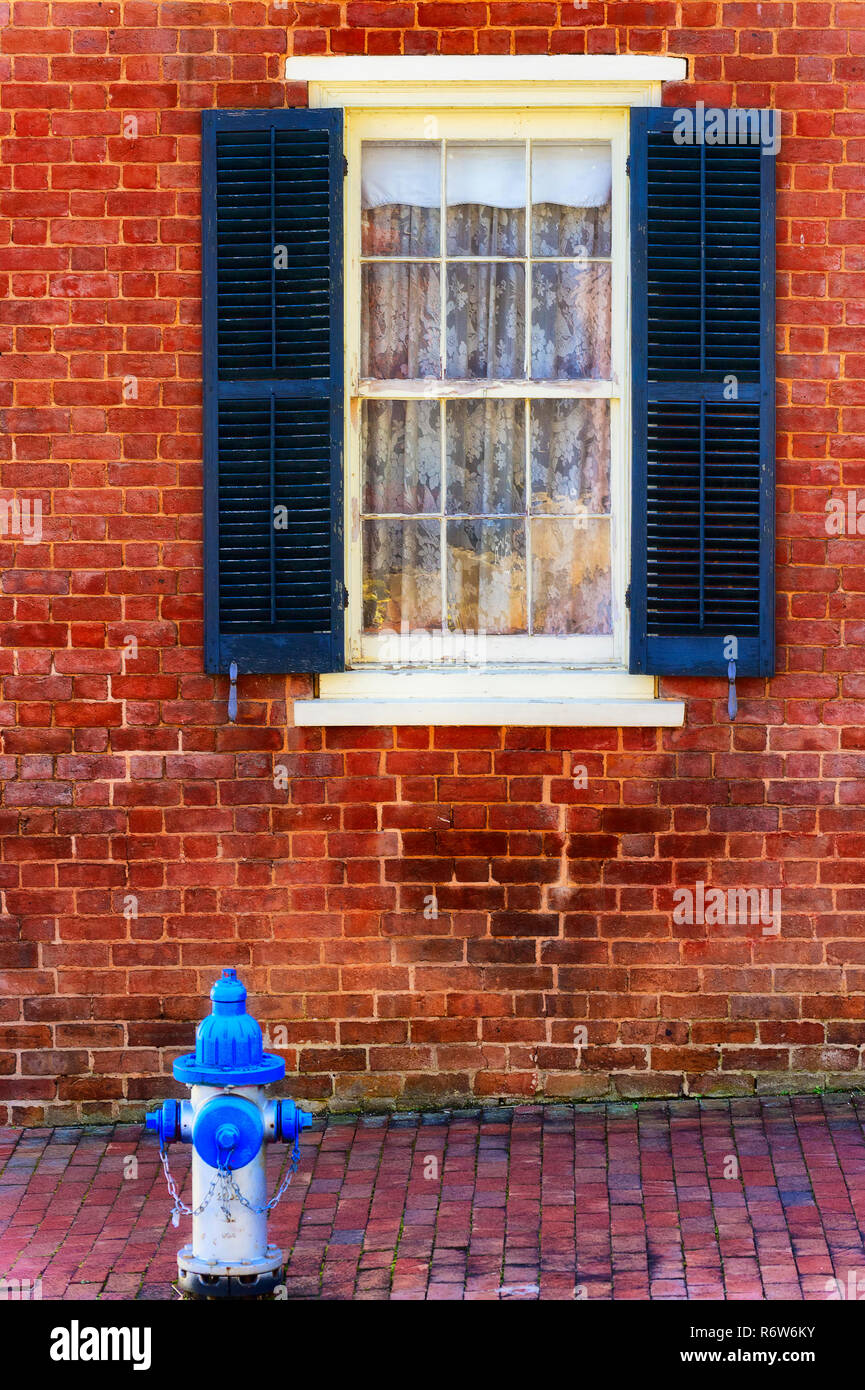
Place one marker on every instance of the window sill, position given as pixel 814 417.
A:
pixel 578 699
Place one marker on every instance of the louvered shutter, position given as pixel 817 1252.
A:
pixel 703 294
pixel 272 191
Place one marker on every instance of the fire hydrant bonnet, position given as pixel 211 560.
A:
pixel 229 1048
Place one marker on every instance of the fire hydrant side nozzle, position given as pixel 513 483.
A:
pixel 290 1121
pixel 228 1120
pixel 165 1122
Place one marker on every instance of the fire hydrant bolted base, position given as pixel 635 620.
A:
pixel 228 1120
pixel 213 1279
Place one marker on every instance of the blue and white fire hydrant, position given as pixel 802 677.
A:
pixel 228 1120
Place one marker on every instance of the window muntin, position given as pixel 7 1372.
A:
pixel 486 396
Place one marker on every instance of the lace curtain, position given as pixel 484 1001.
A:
pixel 482 500
pixel 486 302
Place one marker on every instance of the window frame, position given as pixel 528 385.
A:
pixel 595 124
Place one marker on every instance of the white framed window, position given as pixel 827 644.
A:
pixel 487 388
pixel 477 104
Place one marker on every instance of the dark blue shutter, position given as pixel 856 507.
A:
pixel 703 313
pixel 273 390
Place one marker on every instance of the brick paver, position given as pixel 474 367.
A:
pixel 711 1199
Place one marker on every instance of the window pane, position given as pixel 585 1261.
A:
pixel 486 576
pixel 401 574
pixel 400 198
pixel 486 463
pixel 401 451
pixel 400 321
pixel 570 322
pixel 570 456
pixel 486 197
pixel 571 200
pixel 571 583
pixel 474 230
pixel 486 320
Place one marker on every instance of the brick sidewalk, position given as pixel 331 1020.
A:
pixel 592 1201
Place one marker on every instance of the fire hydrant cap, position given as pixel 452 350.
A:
pixel 228 1132
pixel 229 1048
pixel 228 989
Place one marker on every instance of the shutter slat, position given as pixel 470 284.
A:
pixel 702 314
pixel 273 390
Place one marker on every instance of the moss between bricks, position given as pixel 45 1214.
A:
pixel 621 1088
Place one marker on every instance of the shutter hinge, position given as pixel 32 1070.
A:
pixel 344 597
pixel 344 166
pixel 628 166
pixel 628 597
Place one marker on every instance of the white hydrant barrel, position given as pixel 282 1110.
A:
pixel 244 1236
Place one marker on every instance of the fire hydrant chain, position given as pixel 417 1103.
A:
pixel 180 1207
pixel 278 1196
pixel 227 1189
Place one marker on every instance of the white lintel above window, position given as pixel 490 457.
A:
pixel 492 80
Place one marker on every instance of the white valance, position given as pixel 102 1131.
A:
pixel 571 175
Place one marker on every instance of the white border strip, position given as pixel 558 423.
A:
pixel 489 80
pixel 499 67
pixel 571 714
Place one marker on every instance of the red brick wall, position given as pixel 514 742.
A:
pixel 123 777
